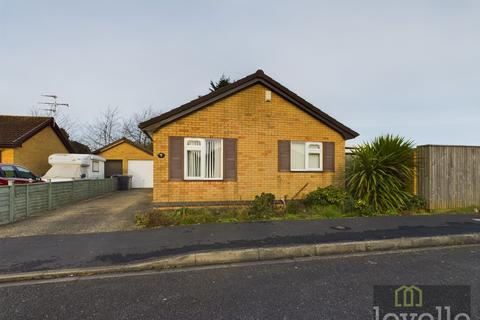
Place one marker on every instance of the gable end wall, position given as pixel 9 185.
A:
pixel 125 151
pixel 34 152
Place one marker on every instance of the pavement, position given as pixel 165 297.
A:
pixel 49 252
pixel 339 287
pixel 111 212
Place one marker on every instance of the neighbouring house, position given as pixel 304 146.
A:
pixel 249 137
pixel 28 141
pixel 125 157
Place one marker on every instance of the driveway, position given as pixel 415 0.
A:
pixel 111 212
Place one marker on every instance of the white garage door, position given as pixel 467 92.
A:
pixel 141 172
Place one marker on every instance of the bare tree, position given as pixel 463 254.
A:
pixel 62 119
pixel 131 130
pixel 103 130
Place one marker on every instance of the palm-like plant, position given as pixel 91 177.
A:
pixel 380 172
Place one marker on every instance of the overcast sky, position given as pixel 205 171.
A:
pixel 404 67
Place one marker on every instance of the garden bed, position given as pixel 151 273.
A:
pixel 185 216
pixel 323 203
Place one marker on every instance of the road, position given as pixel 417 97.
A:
pixel 321 288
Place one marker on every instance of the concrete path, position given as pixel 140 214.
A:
pixel 24 254
pixel 112 212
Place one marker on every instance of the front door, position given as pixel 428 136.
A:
pixel 113 167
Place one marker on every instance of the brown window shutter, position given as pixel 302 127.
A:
pixel 175 158
pixel 283 155
pixel 328 156
pixel 230 159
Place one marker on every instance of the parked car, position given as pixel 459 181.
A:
pixel 17 174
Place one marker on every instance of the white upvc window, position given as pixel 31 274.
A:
pixel 306 156
pixel 203 159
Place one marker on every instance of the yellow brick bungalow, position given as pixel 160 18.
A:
pixel 28 141
pixel 249 137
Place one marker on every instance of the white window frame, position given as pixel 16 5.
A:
pixel 307 152
pixel 202 149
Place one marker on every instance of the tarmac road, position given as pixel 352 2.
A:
pixel 338 287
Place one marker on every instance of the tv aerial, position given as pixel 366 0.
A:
pixel 53 105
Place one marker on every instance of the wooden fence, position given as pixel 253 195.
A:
pixel 20 201
pixel 448 177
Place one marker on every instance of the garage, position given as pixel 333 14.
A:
pixel 141 172
pixel 128 157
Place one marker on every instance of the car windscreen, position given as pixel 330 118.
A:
pixel 25 173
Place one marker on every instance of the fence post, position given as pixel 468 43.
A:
pixel 27 204
pixel 11 187
pixel 72 194
pixel 49 194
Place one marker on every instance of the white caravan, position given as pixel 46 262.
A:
pixel 71 166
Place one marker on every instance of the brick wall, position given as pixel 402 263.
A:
pixel 125 151
pixel 34 152
pixel 258 125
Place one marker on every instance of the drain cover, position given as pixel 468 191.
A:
pixel 340 228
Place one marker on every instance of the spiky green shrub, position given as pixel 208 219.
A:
pixel 380 172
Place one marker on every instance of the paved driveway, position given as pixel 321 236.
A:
pixel 112 212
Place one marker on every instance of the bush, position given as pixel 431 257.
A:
pixel 416 203
pixel 326 196
pixel 380 173
pixel 358 206
pixel 262 206
pixel 293 207
pixel 157 218
pixel 142 219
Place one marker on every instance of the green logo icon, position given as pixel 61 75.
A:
pixel 408 296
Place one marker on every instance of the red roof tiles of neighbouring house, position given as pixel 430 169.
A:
pixel 15 130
